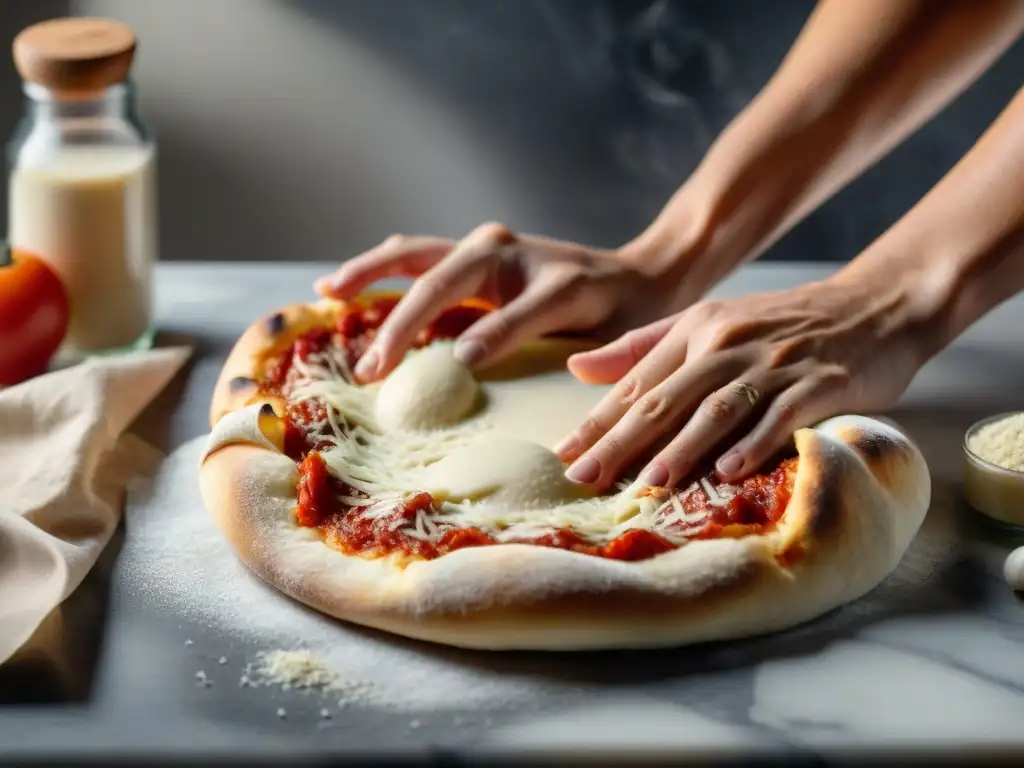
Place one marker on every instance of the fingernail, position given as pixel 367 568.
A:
pixel 655 476
pixel 730 464
pixel 326 284
pixel 584 471
pixel 367 365
pixel 469 351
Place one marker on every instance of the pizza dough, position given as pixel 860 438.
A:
pixel 428 390
pixel 860 493
pixel 513 475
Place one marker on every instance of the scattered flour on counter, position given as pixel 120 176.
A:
pixel 305 670
pixel 175 560
pixel 292 669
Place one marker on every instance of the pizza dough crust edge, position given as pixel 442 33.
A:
pixel 237 385
pixel 861 493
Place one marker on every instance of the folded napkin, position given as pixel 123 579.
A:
pixel 65 461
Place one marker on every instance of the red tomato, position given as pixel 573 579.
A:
pixel 33 316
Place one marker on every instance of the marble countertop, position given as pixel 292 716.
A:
pixel 931 662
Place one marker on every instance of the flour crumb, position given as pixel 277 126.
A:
pixel 325 714
pixel 188 642
pixel 203 680
pixel 303 670
pixel 288 669
pixel 415 724
pixel 281 713
pixel 222 660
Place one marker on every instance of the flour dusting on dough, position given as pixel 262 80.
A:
pixel 178 563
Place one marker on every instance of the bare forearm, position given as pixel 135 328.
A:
pixel 860 78
pixel 960 251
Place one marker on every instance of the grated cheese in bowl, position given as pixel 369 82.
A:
pixel 1001 443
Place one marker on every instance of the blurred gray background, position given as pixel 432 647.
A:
pixel 312 129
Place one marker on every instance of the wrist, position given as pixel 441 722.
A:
pixel 675 251
pixel 749 189
pixel 917 296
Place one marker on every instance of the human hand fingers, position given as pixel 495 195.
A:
pixel 543 307
pixel 806 402
pixel 656 364
pixel 460 274
pixel 717 416
pixel 652 414
pixel 611 362
pixel 398 256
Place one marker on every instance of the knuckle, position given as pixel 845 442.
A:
pixel 610 445
pixel 835 379
pixel 395 242
pixel 705 311
pixel 429 289
pixel 494 234
pixel 786 353
pixel 628 390
pixel 652 407
pixel 729 334
pixel 676 457
pixel 718 409
pixel 787 413
pixel 591 429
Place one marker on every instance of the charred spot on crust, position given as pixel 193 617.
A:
pixel 240 384
pixel 267 410
pixel 275 323
pixel 882 453
pixel 825 501
pixel 824 497
pixel 870 446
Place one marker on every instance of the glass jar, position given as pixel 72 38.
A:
pixel 82 180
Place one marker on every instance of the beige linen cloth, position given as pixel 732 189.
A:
pixel 65 461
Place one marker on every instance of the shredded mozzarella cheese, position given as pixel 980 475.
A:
pixel 384 466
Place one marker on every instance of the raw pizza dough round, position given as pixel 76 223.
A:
pixel 859 497
pixel 428 390
pixel 508 473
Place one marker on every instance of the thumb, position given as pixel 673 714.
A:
pixel 611 362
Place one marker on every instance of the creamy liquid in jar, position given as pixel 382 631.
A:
pixel 91 213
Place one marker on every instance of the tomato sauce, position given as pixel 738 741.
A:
pixel 758 504
pixel 756 508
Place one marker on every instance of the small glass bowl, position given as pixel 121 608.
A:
pixel 996 492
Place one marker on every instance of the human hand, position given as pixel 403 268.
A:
pixel 540 286
pixel 754 368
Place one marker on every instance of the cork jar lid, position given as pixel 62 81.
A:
pixel 74 55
